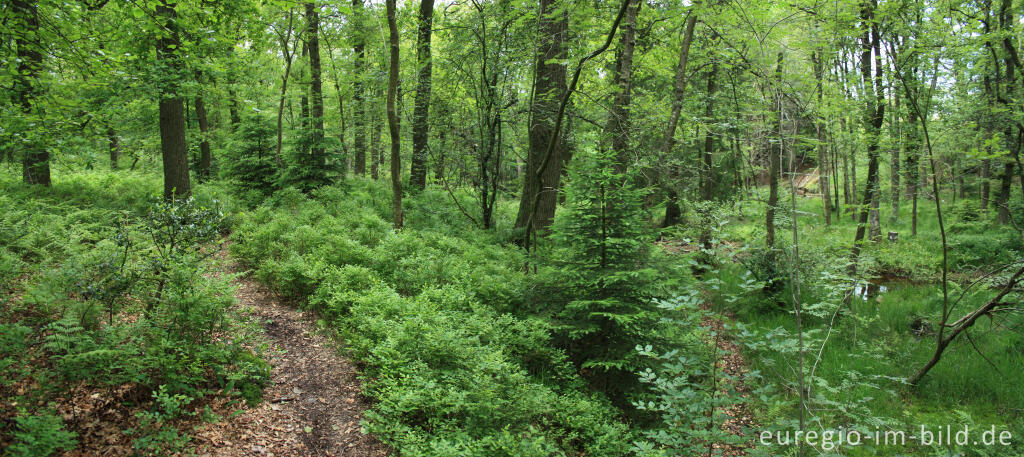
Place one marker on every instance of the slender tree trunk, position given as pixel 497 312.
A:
pixel 174 149
pixel 316 88
pixel 393 127
pixel 205 157
pixel 819 127
pixel 1003 199
pixel 421 112
pixel 707 176
pixel 36 163
pixel 549 89
pixel 774 159
pixel 358 84
pixel 618 127
pixel 285 40
pixel 986 165
pixel 672 212
pixel 114 146
pixel 873 117
pixel 375 146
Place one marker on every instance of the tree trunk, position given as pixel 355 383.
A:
pixel 36 163
pixel 774 160
pixel 205 158
pixel 1003 199
pixel 618 126
pixel 819 128
pixel 986 166
pixel 359 110
pixel 421 112
pixel 284 39
pixel 873 117
pixel 672 211
pixel 316 91
pixel 375 145
pixel 114 146
pixel 549 88
pixel 174 149
pixel 393 127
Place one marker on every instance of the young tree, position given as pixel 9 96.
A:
pixel 359 108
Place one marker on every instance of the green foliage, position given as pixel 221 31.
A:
pixel 126 297
pixel 249 162
pixel 604 309
pixel 451 372
pixel 39 436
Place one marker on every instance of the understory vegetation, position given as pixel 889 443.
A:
pixel 110 305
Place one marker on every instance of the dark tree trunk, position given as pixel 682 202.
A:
pixel 205 158
pixel 304 97
pixel 1003 199
pixel 672 211
pixel 874 115
pixel 114 146
pixel 359 110
pixel 174 149
pixel 284 39
pixel 376 152
pixel 986 166
pixel 618 128
pixel 820 127
pixel 315 88
pixel 707 175
pixel 36 163
pixel 421 112
pixel 393 127
pixel 548 91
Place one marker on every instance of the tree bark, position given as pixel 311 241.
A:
pixel 114 146
pixel 548 90
pixel 316 91
pixel 284 39
pixel 393 127
pixel 874 114
pixel 421 111
pixel 986 166
pixel 618 126
pixel 359 110
pixel 205 157
pixel 376 154
pixel 819 127
pixel 1003 199
pixel 774 160
pixel 672 211
pixel 36 163
pixel 174 149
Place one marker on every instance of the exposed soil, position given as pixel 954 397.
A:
pixel 312 406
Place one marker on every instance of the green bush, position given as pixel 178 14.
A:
pixel 451 372
pixel 39 436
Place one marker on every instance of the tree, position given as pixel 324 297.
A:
pixel 359 108
pixel 316 87
pixel 174 149
pixel 36 163
pixel 672 211
pixel 421 114
pixel 543 168
pixel 617 130
pixel 393 127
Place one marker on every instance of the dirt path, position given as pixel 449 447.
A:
pixel 312 406
pixel 731 362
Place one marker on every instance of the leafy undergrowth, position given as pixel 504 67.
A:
pixel 427 314
pixel 112 328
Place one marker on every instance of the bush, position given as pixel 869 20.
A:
pixel 451 373
pixel 39 436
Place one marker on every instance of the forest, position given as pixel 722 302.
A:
pixel 513 228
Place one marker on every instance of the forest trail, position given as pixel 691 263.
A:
pixel 732 363
pixel 313 404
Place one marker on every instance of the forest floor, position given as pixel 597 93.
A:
pixel 732 363
pixel 313 404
